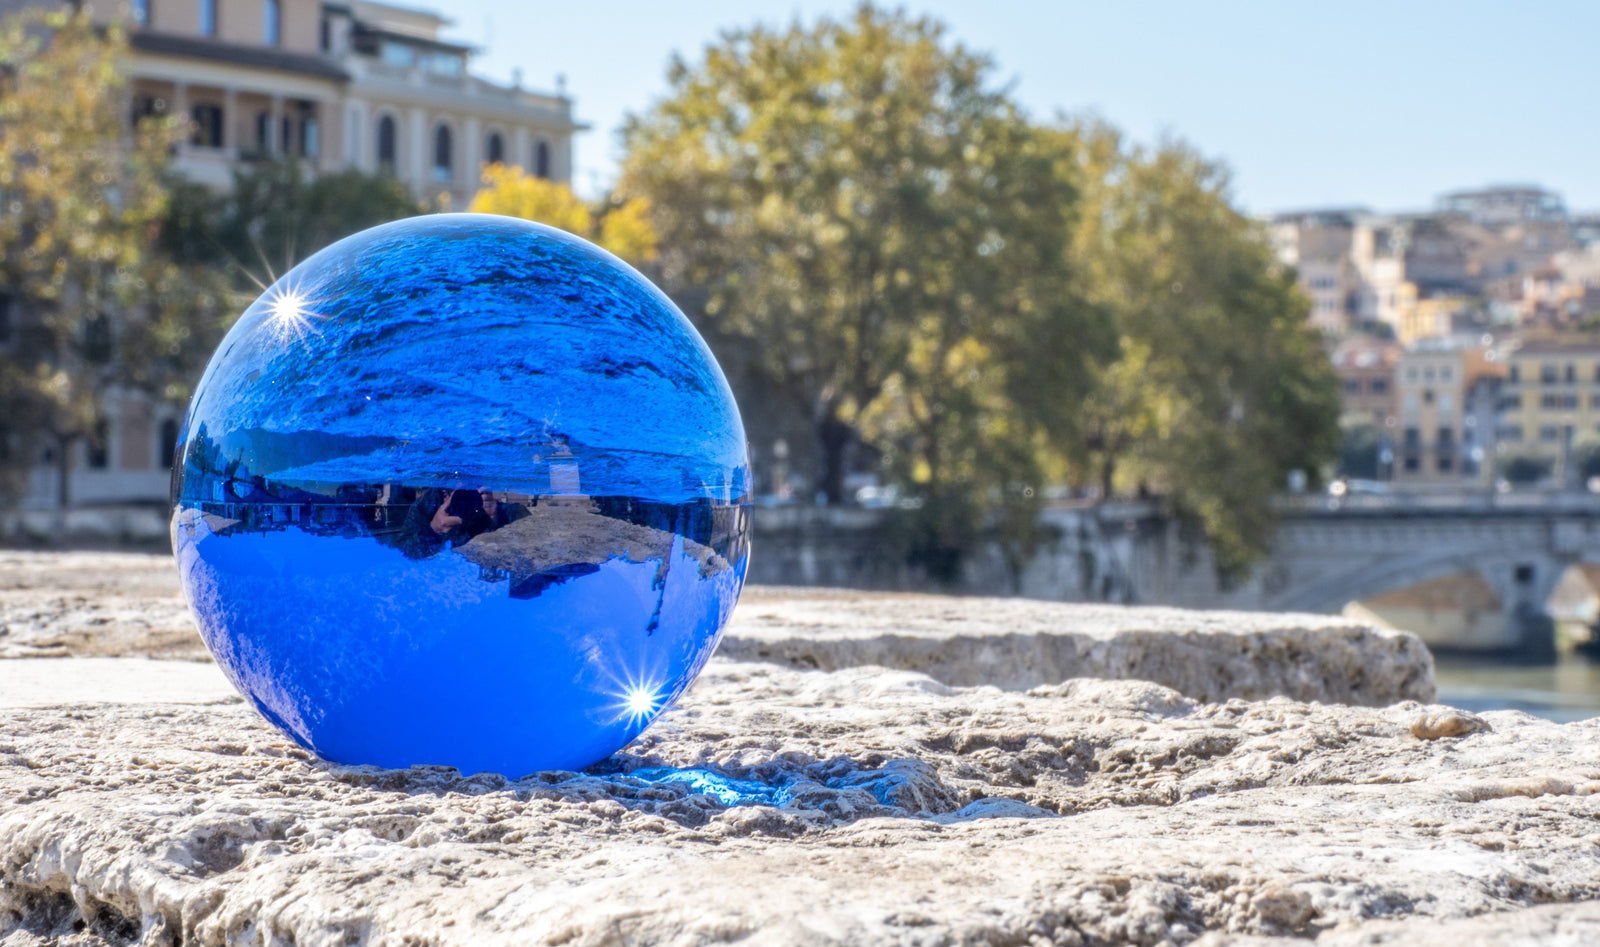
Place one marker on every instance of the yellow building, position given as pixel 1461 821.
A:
pixel 1446 396
pixel 1550 401
pixel 1433 318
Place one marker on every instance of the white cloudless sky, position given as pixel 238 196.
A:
pixel 1364 102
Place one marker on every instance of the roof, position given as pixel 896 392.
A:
pixel 411 39
pixel 167 44
pixel 1557 346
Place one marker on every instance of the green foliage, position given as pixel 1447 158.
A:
pixel 1221 387
pixel 989 305
pixel 1586 457
pixel 276 215
pixel 621 227
pixel 1359 452
pixel 93 311
pixel 887 232
pixel 1526 470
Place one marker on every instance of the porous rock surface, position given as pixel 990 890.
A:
pixel 99 604
pixel 776 806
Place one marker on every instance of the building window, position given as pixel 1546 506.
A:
pixel 1446 464
pixel 1446 404
pixel 166 451
pixel 1511 433
pixel 310 137
pixel 1352 386
pixel 263 133
pixel 325 35
pixel 386 144
pixel 398 54
pixel 207 126
pixel 1572 373
pixel 1380 386
pixel 1516 375
pixel 1547 373
pixel 442 64
pixel 208 17
pixel 443 154
pixel 270 30
pixel 495 150
pixel 140 9
pixel 1549 432
pixel 1427 396
pixel 541 159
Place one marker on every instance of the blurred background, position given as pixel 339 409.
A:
pixel 1270 307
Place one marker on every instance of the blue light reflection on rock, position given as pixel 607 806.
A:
pixel 462 490
pixel 724 789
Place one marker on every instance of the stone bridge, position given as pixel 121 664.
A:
pixel 1327 553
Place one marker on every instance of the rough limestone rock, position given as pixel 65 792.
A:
pixel 776 806
pixel 120 605
pixel 102 604
pixel 1020 643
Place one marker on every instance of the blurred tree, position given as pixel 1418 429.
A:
pixel 1525 470
pixel 851 204
pixel 1221 388
pixel 1359 451
pixel 623 227
pixel 276 215
pixel 91 309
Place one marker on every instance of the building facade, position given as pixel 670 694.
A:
pixel 1550 402
pixel 337 85
pixel 1446 396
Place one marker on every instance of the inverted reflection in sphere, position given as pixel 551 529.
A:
pixel 462 490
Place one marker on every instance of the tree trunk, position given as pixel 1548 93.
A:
pixel 1108 469
pixel 833 437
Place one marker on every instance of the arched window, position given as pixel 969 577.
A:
pixel 208 17
pixel 541 159
pixel 269 26
pixel 443 154
pixel 495 150
pixel 386 147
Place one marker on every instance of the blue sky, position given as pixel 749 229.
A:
pixel 1382 104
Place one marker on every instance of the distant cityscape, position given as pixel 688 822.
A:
pixel 1466 338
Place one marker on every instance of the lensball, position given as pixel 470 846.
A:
pixel 462 490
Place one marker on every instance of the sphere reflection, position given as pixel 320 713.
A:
pixel 462 490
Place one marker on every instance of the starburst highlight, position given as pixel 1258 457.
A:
pixel 639 703
pixel 289 314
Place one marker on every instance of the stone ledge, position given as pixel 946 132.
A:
pixel 1016 644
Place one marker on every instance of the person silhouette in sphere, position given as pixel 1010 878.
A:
pixel 441 518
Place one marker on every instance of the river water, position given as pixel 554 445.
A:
pixel 1564 691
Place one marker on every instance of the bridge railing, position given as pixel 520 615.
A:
pixel 1442 500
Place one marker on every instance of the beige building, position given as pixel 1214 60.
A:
pixel 360 84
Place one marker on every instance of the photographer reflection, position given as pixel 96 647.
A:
pixel 441 518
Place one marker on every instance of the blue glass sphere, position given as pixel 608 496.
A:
pixel 462 490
